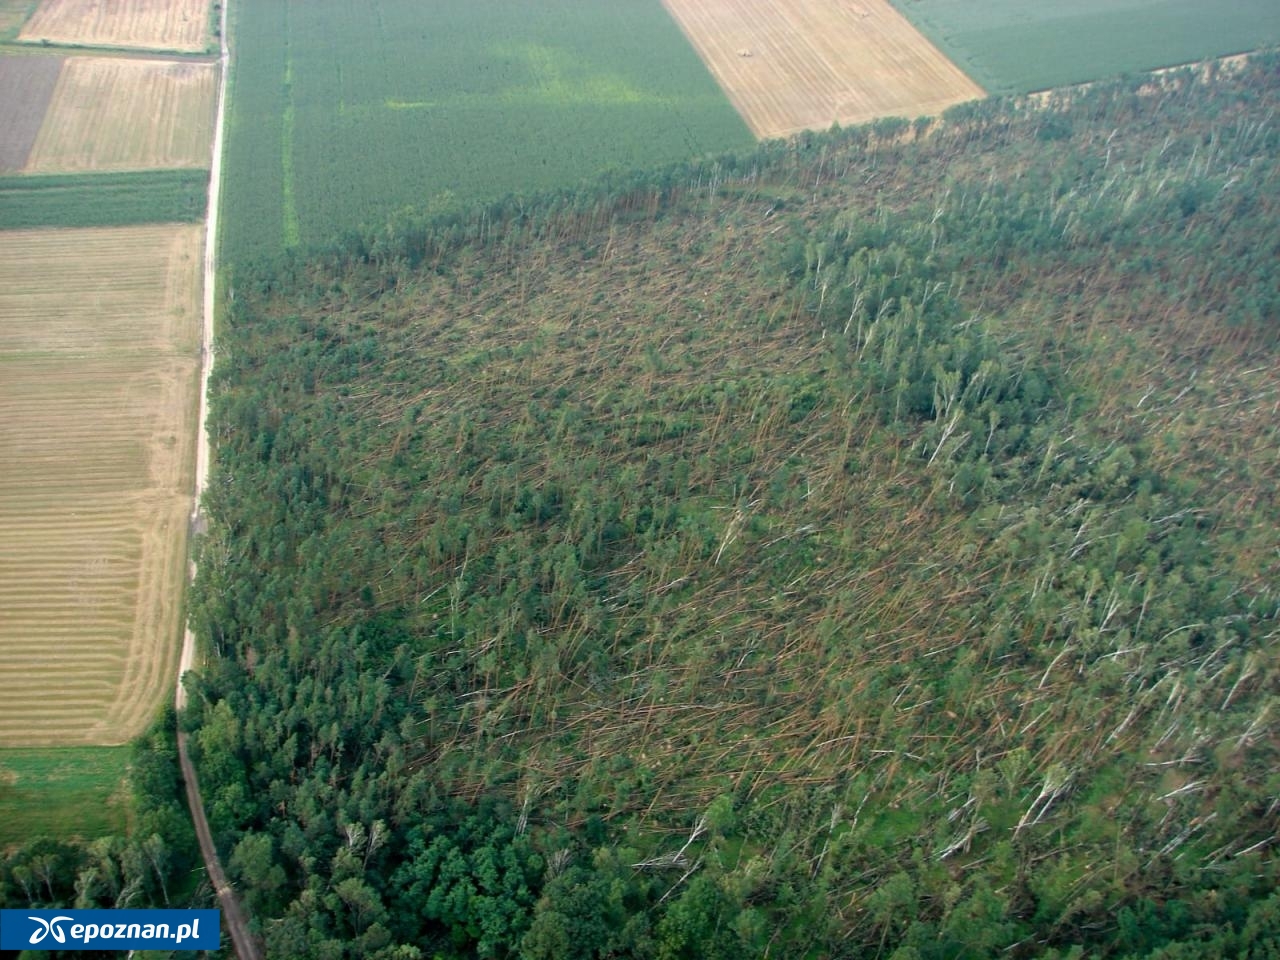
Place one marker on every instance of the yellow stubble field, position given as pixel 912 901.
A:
pixel 181 25
pixel 791 65
pixel 111 113
pixel 99 373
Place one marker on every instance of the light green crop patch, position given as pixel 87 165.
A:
pixel 62 792
pixel 556 76
pixel 13 14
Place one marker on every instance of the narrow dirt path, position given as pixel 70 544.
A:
pixel 206 336
pixel 233 917
pixel 242 940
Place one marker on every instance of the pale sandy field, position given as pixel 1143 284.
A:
pixel 99 344
pixel 791 65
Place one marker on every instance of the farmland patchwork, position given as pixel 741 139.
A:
pixel 119 114
pixel 103 179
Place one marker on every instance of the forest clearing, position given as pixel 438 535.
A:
pixel 99 338
pixel 178 25
pixel 805 65
pixel 109 113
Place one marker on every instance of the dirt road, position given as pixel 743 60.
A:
pixel 233 917
pixel 245 946
pixel 206 337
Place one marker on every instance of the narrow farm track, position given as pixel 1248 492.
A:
pixel 242 940
pixel 232 916
pixel 209 278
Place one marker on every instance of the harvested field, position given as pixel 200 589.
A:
pixel 99 340
pixel 144 24
pixel 119 114
pixel 804 64
pixel 27 84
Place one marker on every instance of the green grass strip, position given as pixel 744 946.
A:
pixel 103 199
pixel 62 792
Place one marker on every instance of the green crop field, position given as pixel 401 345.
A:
pixel 103 199
pixel 1016 46
pixel 62 792
pixel 342 114
pixel 13 13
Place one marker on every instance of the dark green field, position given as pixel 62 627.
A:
pixel 342 114
pixel 61 792
pixel 1016 46
pixel 103 199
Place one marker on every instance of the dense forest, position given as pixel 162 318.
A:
pixel 861 546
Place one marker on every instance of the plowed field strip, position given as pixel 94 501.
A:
pixel 804 64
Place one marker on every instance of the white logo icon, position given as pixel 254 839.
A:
pixel 50 926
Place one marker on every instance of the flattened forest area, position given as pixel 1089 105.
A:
pixel 861 546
